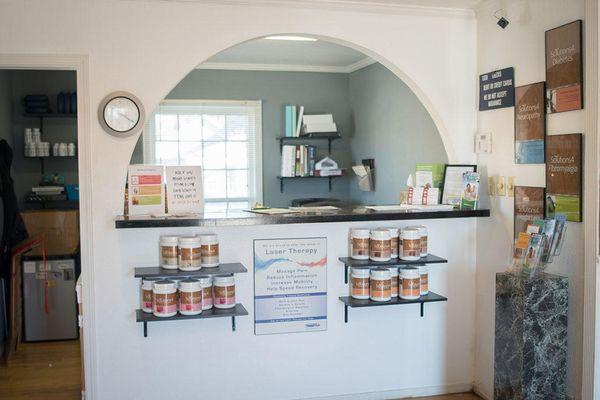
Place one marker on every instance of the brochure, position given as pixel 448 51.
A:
pixel 534 252
pixel 470 191
pixel 146 190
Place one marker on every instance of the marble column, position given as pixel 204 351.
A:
pixel 530 353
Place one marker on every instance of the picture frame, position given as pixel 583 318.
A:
pixel 564 67
pixel 529 205
pixel 452 183
pixel 564 176
pixel 530 123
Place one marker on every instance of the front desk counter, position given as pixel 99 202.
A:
pixel 245 218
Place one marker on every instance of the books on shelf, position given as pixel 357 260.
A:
pixel 298 124
pixel 298 161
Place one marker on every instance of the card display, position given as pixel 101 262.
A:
pixel 564 176
pixel 530 123
pixel 564 68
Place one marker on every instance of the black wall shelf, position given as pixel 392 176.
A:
pixel 303 139
pixel 159 272
pixel 282 179
pixel 395 262
pixel 214 312
pixel 355 303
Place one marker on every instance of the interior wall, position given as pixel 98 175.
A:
pixel 126 51
pixel 27 171
pixel 521 45
pixel 5 107
pixel 392 126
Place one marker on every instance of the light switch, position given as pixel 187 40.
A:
pixel 510 186
pixel 501 186
pixel 492 185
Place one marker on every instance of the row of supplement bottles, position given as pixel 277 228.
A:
pixel 383 284
pixel 384 244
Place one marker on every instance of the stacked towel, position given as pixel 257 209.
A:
pixel 36 104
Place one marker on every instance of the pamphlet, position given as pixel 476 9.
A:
pixel 146 190
pixel 429 175
pixel 470 191
pixel 534 252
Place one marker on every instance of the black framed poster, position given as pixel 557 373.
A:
pixel 453 181
pixel 564 163
pixel 564 68
pixel 530 123
pixel 496 89
pixel 529 206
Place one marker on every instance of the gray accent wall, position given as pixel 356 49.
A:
pixel 392 126
pixel 5 106
pixel 317 92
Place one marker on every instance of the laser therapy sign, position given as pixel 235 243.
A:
pixel 290 285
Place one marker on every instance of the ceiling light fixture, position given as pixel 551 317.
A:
pixel 292 38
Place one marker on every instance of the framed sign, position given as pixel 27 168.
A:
pixel 452 187
pixel 497 89
pixel 564 68
pixel 529 206
pixel 530 123
pixel 146 189
pixel 564 175
pixel 290 285
pixel 184 189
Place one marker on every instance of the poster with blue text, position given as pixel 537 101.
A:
pixel 290 285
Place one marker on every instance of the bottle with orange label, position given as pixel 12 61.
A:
pixel 411 283
pixel 381 284
pixel 411 244
pixel 359 284
pixel 424 273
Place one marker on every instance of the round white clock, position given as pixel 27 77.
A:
pixel 121 114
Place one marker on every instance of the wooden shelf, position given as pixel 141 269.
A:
pixel 159 272
pixel 395 262
pixel 237 311
pixel 355 303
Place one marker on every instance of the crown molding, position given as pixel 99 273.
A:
pixel 374 6
pixel 288 67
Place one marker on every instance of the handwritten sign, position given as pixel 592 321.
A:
pixel 497 89
pixel 184 190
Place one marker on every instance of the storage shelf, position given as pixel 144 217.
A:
pixel 395 262
pixel 282 179
pixel 302 139
pixel 237 311
pixel 50 115
pixel 355 303
pixel 222 269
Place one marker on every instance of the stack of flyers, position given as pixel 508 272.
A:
pixel 521 245
pixel 533 257
pixel 559 235
pixel 548 230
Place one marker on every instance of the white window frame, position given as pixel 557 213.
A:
pixel 255 181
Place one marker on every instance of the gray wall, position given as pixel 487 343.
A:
pixel 5 106
pixel 391 126
pixel 27 171
pixel 317 92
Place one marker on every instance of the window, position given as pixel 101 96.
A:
pixel 224 137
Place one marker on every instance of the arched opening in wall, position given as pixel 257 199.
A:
pixel 295 120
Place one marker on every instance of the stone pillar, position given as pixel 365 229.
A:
pixel 530 355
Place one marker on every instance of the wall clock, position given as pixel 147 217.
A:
pixel 121 114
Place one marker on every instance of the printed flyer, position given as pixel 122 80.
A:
pixel 529 206
pixel 290 285
pixel 564 68
pixel 563 176
pixel 146 189
pixel 184 189
pixel 470 191
pixel 530 123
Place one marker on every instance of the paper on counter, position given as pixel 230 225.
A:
pixel 315 208
pixel 273 211
pixel 404 207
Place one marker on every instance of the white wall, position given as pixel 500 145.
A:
pixel 521 45
pixel 147 47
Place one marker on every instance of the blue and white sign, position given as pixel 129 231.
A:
pixel 290 285
pixel 497 89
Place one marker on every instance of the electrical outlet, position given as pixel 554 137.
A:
pixel 510 186
pixel 501 186
pixel 491 185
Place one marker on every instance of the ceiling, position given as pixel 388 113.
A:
pixel 284 55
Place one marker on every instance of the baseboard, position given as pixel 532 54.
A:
pixel 480 394
pixel 402 393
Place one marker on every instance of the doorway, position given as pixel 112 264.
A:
pixel 40 332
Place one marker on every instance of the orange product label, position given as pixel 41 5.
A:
pixel 190 297
pixel 411 287
pixel 360 286
pixel 360 247
pixel 381 288
pixel 190 253
pixel 224 291
pixel 381 248
pixel 424 244
pixel 424 282
pixel 411 247
pixel 209 250
pixel 394 286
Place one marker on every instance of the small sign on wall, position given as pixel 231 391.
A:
pixel 529 206
pixel 290 285
pixel 497 89
pixel 184 189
